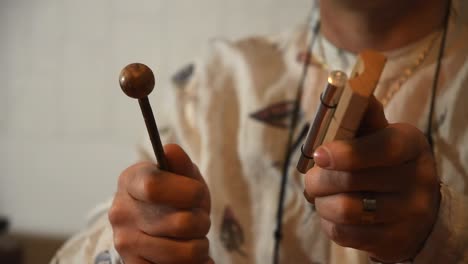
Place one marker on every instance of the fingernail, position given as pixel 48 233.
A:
pixel 322 157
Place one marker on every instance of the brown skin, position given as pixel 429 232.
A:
pixel 393 162
pixel 381 25
pixel 162 217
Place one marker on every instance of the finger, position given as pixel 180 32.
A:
pixel 186 224
pixel 151 185
pixel 393 145
pixel 132 244
pixel 374 239
pixel 163 250
pixel 322 182
pixel 180 163
pixel 348 209
pixel 366 238
pixel 121 211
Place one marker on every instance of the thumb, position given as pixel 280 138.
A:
pixel 374 118
pixel 179 162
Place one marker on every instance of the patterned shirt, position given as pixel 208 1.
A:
pixel 234 105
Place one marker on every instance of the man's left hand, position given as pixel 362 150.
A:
pixel 378 192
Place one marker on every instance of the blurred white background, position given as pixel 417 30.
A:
pixel 66 129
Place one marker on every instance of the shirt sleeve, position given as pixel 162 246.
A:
pixel 94 245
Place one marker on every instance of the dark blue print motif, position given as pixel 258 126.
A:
pixel 232 235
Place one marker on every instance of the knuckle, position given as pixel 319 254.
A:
pixel 408 140
pixel 344 213
pixel 342 180
pixel 198 250
pixel 426 171
pixel 199 192
pixel 123 179
pixel 340 236
pixel 203 224
pixel 423 144
pixel 189 225
pixel 181 225
pixel 415 136
pixel 116 213
pixel 395 148
pixel 132 169
pixel 310 182
pixel 336 233
pixel 349 153
pixel 144 165
pixel 150 188
pixel 121 242
pixel 421 206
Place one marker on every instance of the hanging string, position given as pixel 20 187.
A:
pixel 437 75
pixel 288 154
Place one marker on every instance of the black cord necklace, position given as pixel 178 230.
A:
pixel 278 234
pixel 295 119
pixel 435 82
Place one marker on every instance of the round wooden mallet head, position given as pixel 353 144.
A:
pixel 136 80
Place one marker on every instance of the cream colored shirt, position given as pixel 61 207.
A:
pixel 232 120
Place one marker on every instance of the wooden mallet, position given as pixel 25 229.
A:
pixel 137 81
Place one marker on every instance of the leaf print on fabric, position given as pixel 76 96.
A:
pixel 231 235
pixel 103 258
pixel 277 115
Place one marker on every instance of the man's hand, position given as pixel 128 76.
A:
pixel 159 216
pixel 392 164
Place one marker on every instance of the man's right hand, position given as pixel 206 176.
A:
pixel 159 216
